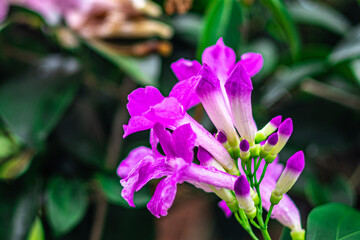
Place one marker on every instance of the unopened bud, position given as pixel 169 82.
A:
pixel 242 192
pixel 268 129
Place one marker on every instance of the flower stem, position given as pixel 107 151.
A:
pixel 263 173
pixel 263 227
pixel 244 221
pixel 269 214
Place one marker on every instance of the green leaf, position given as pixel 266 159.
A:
pixel 18 206
pixel 339 190
pixel 66 205
pixel 37 231
pixel 319 14
pixel 348 48
pixel 286 23
pixel 33 103
pixel 333 221
pixel 315 192
pixel 17 165
pixel 223 18
pixel 145 71
pixel 286 78
pixel 112 189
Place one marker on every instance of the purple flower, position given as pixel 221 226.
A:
pixel 147 106
pixel 239 88
pixel 211 96
pixel 176 167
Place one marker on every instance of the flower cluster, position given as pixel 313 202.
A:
pixel 239 163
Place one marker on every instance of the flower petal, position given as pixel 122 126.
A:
pixel 141 99
pixel 166 112
pixel 163 197
pixel 252 62
pixel 184 69
pixel 137 124
pixel 185 92
pixel 222 204
pixel 133 158
pixel 183 140
pixel 220 58
pixel 147 169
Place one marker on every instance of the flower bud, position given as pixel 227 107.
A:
pixel 244 150
pixel 268 129
pixel 242 192
pixel 269 145
pixel 289 176
pixel 284 133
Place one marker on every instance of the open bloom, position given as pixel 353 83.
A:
pixel 176 167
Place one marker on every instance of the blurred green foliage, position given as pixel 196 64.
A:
pixel 62 111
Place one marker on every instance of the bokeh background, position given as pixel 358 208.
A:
pixel 66 68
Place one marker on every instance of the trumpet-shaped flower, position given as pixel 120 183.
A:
pixel 176 167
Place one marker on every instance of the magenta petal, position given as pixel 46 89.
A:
pixel 183 139
pixel 137 124
pixel 166 112
pixel 220 58
pixel 165 140
pixel 222 204
pixel 131 160
pixel 163 197
pixel 141 99
pixel 185 92
pixel 252 62
pixel 184 69
pixel 147 169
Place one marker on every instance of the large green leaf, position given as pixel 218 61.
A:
pixel 319 14
pixel 18 207
pixel 33 103
pixel 145 71
pixel 112 190
pixel 66 204
pixel 333 221
pixel 283 18
pixel 223 18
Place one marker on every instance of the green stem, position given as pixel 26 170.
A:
pixel 263 172
pixel 247 225
pixel 269 214
pixel 254 223
pixel 263 228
